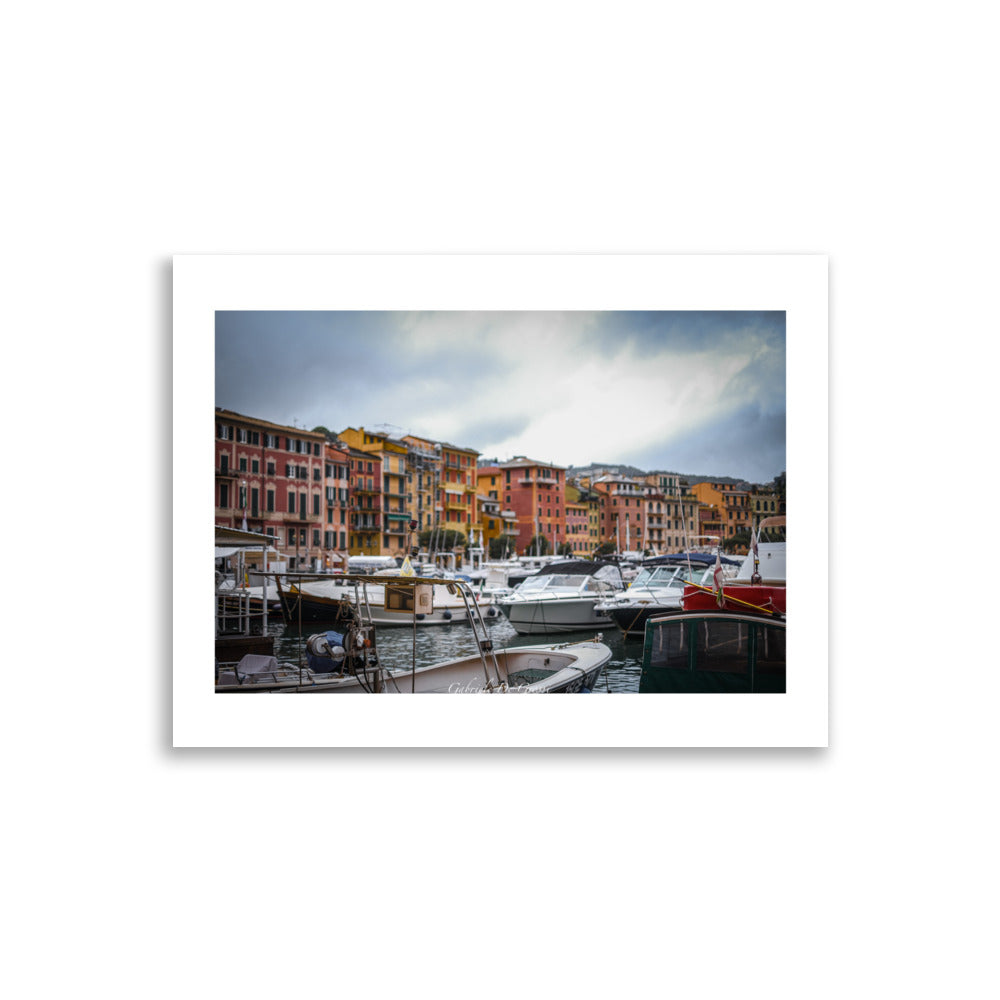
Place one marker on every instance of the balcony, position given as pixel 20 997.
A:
pixel 227 473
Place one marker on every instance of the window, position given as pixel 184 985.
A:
pixel 243 465
pixel 255 467
pixel 270 468
pixel 270 500
pixel 315 504
pixel 223 495
pixel 291 502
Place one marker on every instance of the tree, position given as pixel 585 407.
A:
pixel 565 549
pixel 604 549
pixel 442 539
pixel 738 540
pixel 498 547
pixel 538 545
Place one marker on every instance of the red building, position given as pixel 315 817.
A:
pixel 623 511
pixel 271 476
pixel 536 493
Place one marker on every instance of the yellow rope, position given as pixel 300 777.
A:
pixel 736 600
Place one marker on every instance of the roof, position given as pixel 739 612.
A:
pixel 520 461
pixel 260 422
pixel 235 538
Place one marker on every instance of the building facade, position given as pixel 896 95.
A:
pixel 271 477
pixel 577 522
pixel 731 499
pixel 364 472
pixel 536 494
pixel 337 495
pixel 423 480
pixel 394 509
pixel 457 488
pixel 622 516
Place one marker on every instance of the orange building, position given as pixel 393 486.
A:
pixel 731 499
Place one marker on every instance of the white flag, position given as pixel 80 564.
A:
pixel 717 579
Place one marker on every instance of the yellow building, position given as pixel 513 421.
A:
pixel 423 480
pixel 395 510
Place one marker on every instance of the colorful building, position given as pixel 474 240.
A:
pixel 423 478
pixel 457 488
pixel 394 528
pixel 578 521
pixel 337 490
pixel 536 493
pixel 364 471
pixel 622 516
pixel 731 498
pixel 271 477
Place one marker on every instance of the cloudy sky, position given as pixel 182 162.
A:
pixel 691 392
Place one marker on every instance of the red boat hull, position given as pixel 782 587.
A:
pixel 735 599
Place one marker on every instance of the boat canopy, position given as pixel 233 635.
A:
pixel 694 557
pixel 577 567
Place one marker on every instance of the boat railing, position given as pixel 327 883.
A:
pixel 369 671
pixel 483 641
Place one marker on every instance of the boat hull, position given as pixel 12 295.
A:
pixel 632 619
pixel 552 617
pixel 567 669
pixel 314 608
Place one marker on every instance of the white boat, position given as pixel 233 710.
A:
pixel 659 586
pixel 385 602
pixel 560 669
pixel 348 661
pixel 563 597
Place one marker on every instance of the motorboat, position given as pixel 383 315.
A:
pixel 569 668
pixel 347 660
pixel 714 650
pixel 562 597
pixel 386 599
pixel 659 586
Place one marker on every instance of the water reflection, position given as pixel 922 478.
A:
pixel 436 643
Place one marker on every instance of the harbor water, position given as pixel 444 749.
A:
pixel 437 643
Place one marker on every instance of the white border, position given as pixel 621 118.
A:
pixel 797 284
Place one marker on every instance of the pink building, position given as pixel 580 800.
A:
pixel 271 477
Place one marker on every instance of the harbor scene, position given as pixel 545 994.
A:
pixel 383 557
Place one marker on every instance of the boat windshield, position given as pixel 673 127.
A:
pixel 659 576
pixel 534 583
